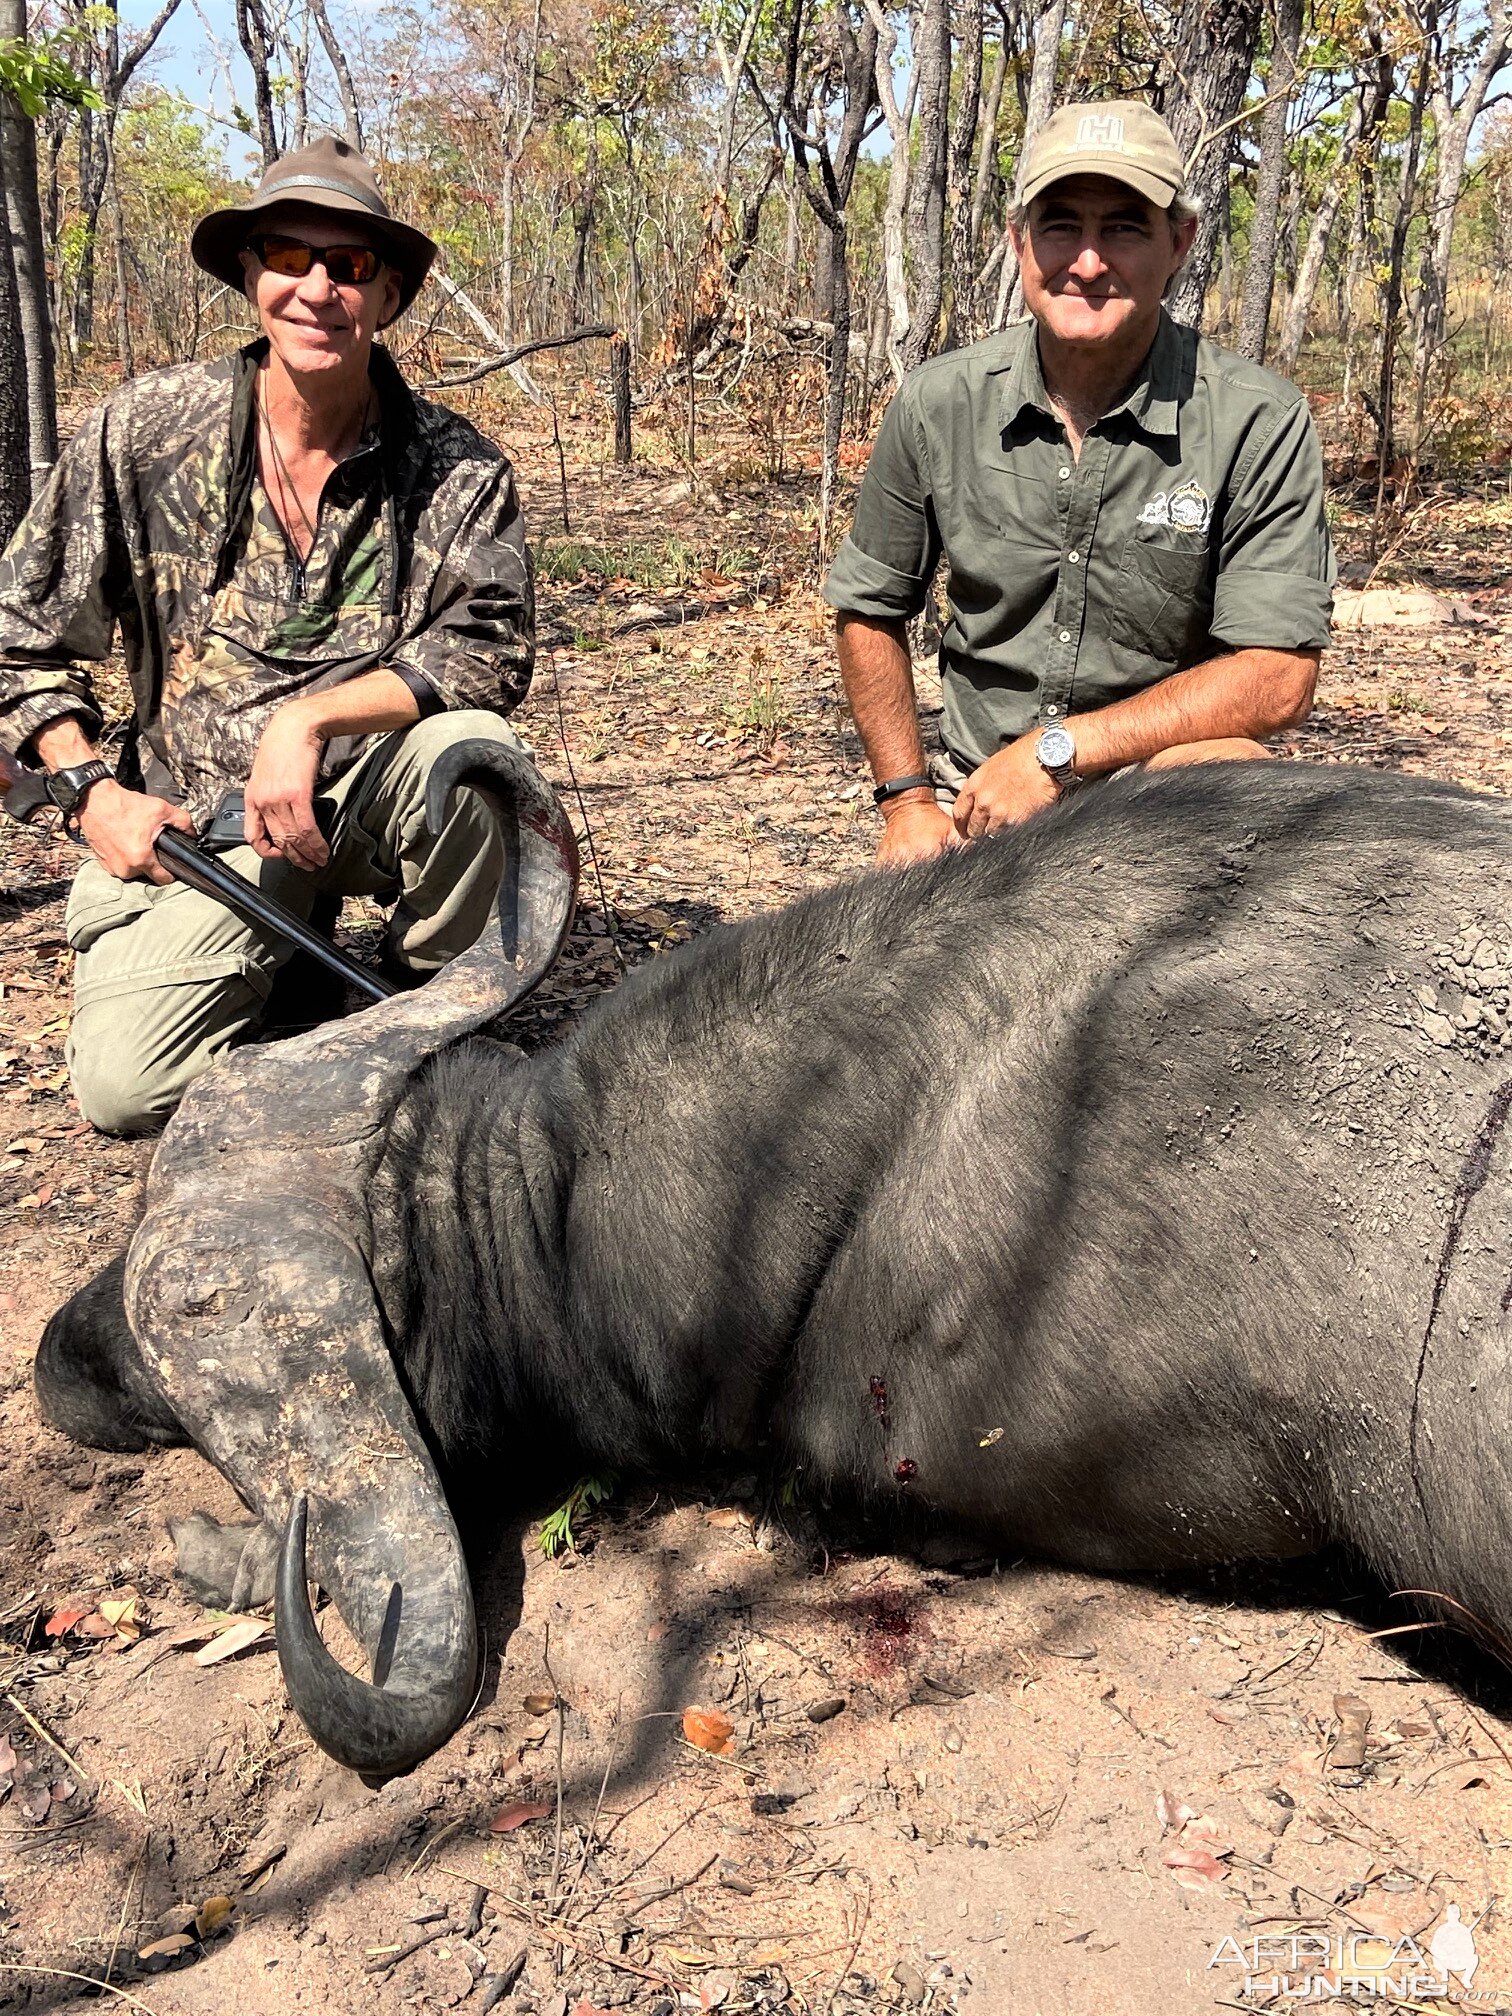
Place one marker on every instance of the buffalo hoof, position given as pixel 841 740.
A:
pixel 228 1566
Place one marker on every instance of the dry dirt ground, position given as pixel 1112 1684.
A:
pixel 981 1786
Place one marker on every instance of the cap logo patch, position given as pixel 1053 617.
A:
pixel 1102 130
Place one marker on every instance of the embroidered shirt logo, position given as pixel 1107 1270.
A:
pixel 1185 509
pixel 1104 130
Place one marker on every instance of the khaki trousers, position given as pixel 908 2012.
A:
pixel 166 980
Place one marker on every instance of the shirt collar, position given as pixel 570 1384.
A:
pixel 1153 401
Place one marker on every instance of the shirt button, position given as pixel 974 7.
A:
pixel 1064 474
pixel 1073 554
pixel 1065 636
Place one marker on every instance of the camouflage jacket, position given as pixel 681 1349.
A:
pixel 155 520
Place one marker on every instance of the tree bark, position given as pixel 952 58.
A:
pixel 252 33
pixel 1453 125
pixel 1049 27
pixel 1260 273
pixel 15 427
pixel 336 57
pixel 18 164
pixel 1201 94
pixel 619 383
pixel 1310 270
pixel 958 186
pixel 1392 292
pixel 926 194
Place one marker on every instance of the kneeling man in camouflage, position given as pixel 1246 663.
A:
pixel 320 580
pixel 1132 519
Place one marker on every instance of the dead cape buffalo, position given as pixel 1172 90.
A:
pixel 1133 1188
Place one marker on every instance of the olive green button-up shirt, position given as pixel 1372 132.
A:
pixel 1192 524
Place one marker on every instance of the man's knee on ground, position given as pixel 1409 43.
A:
pixel 1226 749
pixel 119 1093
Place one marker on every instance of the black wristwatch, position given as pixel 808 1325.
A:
pixel 69 788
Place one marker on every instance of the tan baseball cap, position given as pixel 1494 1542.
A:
pixel 1117 137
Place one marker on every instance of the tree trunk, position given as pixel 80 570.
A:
pixel 18 162
pixel 1260 273
pixel 958 184
pixel 986 168
pixel 336 57
pixel 894 242
pixel 1309 272
pixel 1454 124
pixel 1201 95
pixel 15 427
pixel 619 383
pixel 252 33
pixel 926 195
pixel 91 195
pixel 118 248
pixel 1049 27
pixel 1392 292
pixel 586 208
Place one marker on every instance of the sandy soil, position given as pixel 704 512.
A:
pixel 980 1786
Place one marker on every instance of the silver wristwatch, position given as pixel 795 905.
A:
pixel 1055 752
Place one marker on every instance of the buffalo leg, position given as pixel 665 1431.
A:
pixel 92 1382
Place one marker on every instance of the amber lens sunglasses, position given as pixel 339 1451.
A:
pixel 345 265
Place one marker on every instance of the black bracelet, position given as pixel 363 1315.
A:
pixel 896 786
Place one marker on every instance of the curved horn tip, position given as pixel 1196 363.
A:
pixel 374 1732
pixel 475 760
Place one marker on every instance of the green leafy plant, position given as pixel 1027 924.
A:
pixel 37 75
pixel 557 1532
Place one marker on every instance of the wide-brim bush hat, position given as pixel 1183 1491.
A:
pixel 1118 137
pixel 329 175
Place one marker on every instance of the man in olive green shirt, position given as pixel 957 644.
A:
pixel 1132 519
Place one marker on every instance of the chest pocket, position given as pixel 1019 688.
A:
pixel 1163 598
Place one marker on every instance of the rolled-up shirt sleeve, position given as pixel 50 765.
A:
pixel 1276 566
pixel 886 565
pixel 62 579
pixel 476 644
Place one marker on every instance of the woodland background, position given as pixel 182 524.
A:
pixel 767 210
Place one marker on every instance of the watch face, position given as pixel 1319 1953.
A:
pixel 63 790
pixel 1055 749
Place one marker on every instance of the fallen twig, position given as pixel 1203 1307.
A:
pixel 558 1937
pixel 561 1722
pixel 86 1783
pixel 385 1963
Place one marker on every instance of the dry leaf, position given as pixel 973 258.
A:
pixel 1172 1813
pixel 539 1704
pixel 1194 1868
pixel 1468 1777
pixel 63 1621
pixel 1348 1753
pixel 519 1814
pixel 211 1915
pixel 707 1729
pixel 991 1438
pixel 167 1949
pixel 726 1516
pixel 235 1638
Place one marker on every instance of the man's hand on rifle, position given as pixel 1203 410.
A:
pixel 119 826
